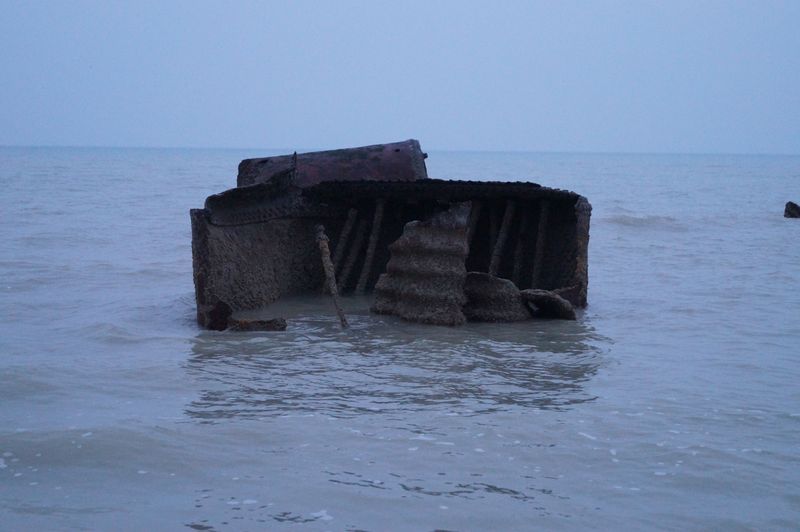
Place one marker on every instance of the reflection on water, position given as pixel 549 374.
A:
pixel 385 365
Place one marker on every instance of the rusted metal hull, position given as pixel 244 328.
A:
pixel 398 161
pixel 256 243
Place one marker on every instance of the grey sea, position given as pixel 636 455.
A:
pixel 672 403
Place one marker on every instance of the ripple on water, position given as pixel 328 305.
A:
pixel 391 367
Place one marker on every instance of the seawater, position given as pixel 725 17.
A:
pixel 672 403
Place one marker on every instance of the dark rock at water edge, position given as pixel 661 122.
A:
pixel 276 324
pixel 217 317
pixel 572 294
pixel 214 317
pixel 548 304
pixel 492 299
pixel 792 210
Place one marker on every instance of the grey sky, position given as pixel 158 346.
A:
pixel 669 76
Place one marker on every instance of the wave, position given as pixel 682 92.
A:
pixel 646 222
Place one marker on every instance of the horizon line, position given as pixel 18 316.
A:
pixel 451 150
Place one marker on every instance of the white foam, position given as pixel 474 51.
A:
pixel 323 515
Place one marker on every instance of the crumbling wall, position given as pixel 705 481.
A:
pixel 424 279
pixel 250 266
pixel 546 245
pixel 561 250
pixel 493 299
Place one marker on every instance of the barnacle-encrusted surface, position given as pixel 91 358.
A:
pixel 424 280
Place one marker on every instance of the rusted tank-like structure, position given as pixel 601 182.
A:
pixel 409 239
pixel 398 161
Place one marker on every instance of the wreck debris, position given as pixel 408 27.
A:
pixel 474 216
pixel 490 298
pixel 519 249
pixel 355 252
pixel 792 210
pixel 330 278
pixel 373 242
pixel 502 236
pixel 541 243
pixel 275 324
pixel 570 293
pixel 219 318
pixel 341 244
pixel 398 161
pixel 548 304
pixel 492 227
pixel 215 317
pixel 254 244
pixel 424 279
pixel 576 260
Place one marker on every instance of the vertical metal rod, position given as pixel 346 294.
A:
pixel 341 244
pixel 492 227
pixel 330 277
pixel 366 268
pixel 541 242
pixel 361 229
pixel 474 216
pixel 502 236
pixel 519 249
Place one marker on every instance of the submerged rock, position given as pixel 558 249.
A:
pixel 217 317
pixel 276 324
pixel 548 304
pixel 214 317
pixel 792 210
pixel 573 294
pixel 490 298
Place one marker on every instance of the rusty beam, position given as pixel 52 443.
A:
pixel 375 232
pixel 330 277
pixel 474 216
pixel 502 236
pixel 519 249
pixel 492 226
pixel 344 236
pixel 361 230
pixel 541 242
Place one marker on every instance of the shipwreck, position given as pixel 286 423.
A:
pixel 369 220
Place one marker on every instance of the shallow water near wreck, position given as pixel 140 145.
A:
pixel 672 403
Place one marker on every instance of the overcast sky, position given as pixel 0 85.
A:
pixel 638 76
